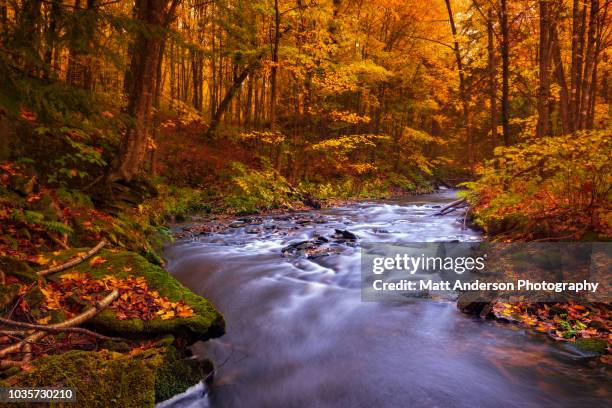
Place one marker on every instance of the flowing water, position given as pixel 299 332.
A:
pixel 298 334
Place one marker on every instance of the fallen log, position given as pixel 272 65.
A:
pixel 75 321
pixel 74 261
pixel 452 207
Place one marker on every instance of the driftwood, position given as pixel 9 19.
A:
pixel 452 207
pixel 75 321
pixel 74 261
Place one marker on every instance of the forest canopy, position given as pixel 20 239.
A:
pixel 329 98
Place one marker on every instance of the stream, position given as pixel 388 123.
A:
pixel 299 335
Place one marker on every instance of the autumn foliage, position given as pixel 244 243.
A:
pixel 136 300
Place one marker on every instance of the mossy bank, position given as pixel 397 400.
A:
pixel 117 373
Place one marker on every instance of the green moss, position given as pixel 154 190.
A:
pixel 207 322
pixel 111 379
pixel 592 345
pixel 175 375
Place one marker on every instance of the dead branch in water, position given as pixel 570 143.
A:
pixel 452 207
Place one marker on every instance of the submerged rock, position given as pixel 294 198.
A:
pixel 299 246
pixel 470 303
pixel 344 234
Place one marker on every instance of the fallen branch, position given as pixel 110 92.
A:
pixel 74 261
pixel 75 321
pixel 11 363
pixel 27 349
pixel 51 329
pixel 452 207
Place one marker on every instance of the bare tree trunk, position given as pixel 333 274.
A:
pixel 462 87
pixel 505 51
pixel 229 95
pixel 560 77
pixel 543 126
pixel 30 29
pixel 492 70
pixel 51 37
pixel 248 103
pixel 274 69
pixel 589 65
pixel 578 30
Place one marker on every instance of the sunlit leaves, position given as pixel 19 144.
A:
pixel 136 298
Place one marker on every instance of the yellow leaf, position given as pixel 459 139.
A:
pixel 73 276
pixel 96 260
pixel 41 260
pixel 44 320
pixel 168 315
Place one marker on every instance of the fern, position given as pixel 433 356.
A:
pixel 37 219
pixel 57 227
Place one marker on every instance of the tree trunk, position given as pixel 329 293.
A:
pixel 274 69
pixel 505 51
pixel 248 103
pixel 578 30
pixel 560 77
pixel 229 95
pixel 589 65
pixel 30 23
pixel 462 87
pixel 543 126
pixel 492 71
pixel 54 15
pixel 143 81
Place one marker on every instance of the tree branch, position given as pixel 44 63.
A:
pixel 72 262
pixel 75 321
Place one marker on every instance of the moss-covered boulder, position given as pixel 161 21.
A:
pixel 206 322
pixel 110 379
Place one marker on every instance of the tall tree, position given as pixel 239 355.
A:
pixel 274 68
pixel 492 72
pixel 465 102
pixel 543 126
pixel 505 52
pixel 155 15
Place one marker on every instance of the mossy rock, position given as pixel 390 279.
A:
pixel 110 379
pixel 591 345
pixel 206 322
